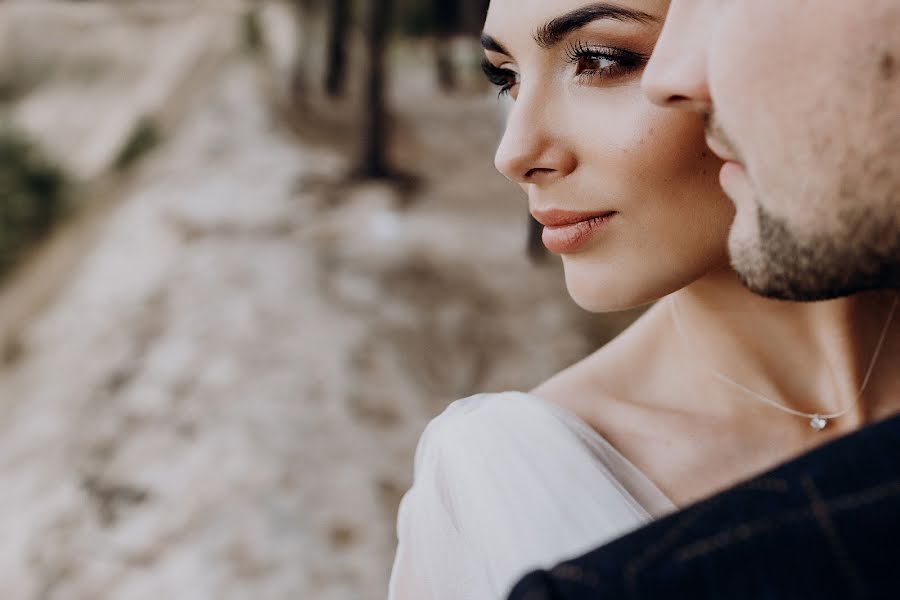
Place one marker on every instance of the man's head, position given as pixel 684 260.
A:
pixel 802 99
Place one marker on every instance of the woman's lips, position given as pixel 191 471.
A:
pixel 565 231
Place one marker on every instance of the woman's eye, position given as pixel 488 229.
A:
pixel 603 62
pixel 594 63
pixel 505 79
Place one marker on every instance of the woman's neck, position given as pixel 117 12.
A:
pixel 810 357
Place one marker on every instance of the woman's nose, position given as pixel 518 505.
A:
pixel 533 149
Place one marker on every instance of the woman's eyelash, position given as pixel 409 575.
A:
pixel 502 78
pixel 624 60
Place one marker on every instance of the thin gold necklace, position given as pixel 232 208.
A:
pixel 817 421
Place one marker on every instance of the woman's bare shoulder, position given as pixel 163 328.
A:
pixel 616 380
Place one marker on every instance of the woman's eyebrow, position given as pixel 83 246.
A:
pixel 489 43
pixel 553 32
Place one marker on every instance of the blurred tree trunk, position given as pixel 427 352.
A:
pixel 535 244
pixel 472 15
pixel 446 24
pixel 374 161
pixel 336 69
pixel 304 13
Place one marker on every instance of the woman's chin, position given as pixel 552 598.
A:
pixel 599 295
pixel 601 287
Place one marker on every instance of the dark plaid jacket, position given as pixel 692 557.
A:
pixel 823 525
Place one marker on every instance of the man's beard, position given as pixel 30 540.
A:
pixel 863 255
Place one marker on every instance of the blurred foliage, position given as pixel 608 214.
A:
pixel 32 195
pixel 251 30
pixel 414 17
pixel 417 18
pixel 18 77
pixel 8 89
pixel 145 137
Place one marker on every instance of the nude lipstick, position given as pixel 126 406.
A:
pixel 567 231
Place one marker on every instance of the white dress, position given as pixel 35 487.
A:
pixel 504 484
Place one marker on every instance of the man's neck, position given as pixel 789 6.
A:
pixel 811 357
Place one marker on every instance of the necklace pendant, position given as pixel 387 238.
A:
pixel 818 423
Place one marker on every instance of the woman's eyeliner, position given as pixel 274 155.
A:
pixel 591 62
pixel 502 78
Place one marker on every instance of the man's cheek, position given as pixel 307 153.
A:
pixel 737 74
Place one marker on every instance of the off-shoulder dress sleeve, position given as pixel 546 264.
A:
pixel 503 484
pixel 433 560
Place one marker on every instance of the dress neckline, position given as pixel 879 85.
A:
pixel 570 416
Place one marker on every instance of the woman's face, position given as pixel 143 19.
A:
pixel 627 191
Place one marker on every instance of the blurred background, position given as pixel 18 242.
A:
pixel 247 250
